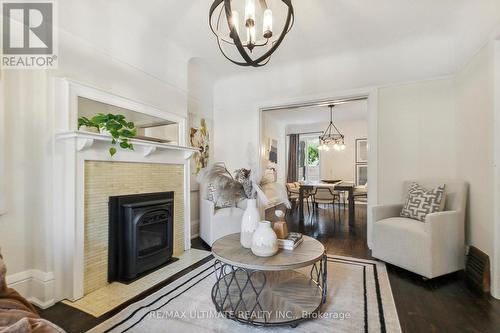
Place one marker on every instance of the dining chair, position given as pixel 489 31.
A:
pixel 326 196
pixel 293 190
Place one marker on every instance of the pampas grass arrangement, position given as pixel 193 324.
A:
pixel 243 185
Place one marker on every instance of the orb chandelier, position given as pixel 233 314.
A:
pixel 244 43
pixel 331 137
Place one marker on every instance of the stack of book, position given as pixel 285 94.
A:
pixel 291 242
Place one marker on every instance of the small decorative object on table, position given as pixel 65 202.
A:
pixel 280 227
pixel 264 240
pixel 291 242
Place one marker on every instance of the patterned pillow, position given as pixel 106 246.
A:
pixel 218 201
pixel 421 202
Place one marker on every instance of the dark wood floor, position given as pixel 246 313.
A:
pixel 444 304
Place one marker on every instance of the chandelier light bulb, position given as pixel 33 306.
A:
pixel 268 24
pixel 251 37
pixel 250 13
pixel 235 20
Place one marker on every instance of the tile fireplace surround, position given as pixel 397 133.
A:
pixel 105 179
pixel 88 177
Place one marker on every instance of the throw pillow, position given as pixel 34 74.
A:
pixel 216 198
pixel 420 202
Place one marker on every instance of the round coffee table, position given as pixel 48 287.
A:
pixel 270 291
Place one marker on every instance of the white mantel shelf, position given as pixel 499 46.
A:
pixel 86 140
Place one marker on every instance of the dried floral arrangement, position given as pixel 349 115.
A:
pixel 244 184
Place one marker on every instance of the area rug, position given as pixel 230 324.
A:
pixel 359 300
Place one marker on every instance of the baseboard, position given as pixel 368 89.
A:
pixel 195 236
pixel 35 285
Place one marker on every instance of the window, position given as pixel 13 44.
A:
pixel 309 161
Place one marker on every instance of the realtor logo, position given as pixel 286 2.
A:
pixel 28 34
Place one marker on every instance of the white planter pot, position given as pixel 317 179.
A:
pixel 89 129
pixel 104 131
pixel 264 240
pixel 249 222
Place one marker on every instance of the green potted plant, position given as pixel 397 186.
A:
pixel 86 125
pixel 116 126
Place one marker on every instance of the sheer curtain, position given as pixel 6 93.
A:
pixel 293 150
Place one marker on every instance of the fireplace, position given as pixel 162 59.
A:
pixel 140 234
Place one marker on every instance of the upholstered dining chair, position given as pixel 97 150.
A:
pixel 325 196
pixel 430 248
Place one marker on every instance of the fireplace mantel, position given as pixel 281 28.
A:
pixel 87 140
pixel 72 149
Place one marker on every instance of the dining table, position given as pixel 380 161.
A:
pixel 341 186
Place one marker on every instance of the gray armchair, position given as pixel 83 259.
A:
pixel 431 248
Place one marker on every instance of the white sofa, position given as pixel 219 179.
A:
pixel 431 248
pixel 216 223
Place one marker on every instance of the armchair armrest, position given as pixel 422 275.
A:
pixel 386 211
pixel 446 223
pixel 447 240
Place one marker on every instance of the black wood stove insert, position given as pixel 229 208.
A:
pixel 140 234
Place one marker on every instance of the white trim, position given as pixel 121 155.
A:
pixel 2 147
pixel 35 285
pixel 372 96
pixel 85 140
pixel 495 260
pixel 373 182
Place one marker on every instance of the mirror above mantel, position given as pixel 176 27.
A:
pixel 149 128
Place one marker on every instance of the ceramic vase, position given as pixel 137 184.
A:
pixel 249 222
pixel 264 240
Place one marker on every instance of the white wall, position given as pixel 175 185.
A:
pixel 475 139
pixel 337 164
pixel 416 135
pixel 237 99
pixel 200 105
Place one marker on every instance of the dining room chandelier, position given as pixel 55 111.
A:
pixel 331 137
pixel 251 41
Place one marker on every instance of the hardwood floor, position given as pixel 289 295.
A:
pixel 444 304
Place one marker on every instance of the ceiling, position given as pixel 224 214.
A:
pixel 322 27
pixel 356 110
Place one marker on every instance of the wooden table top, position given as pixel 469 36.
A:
pixel 343 184
pixel 229 250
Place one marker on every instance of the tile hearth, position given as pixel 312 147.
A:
pixel 112 295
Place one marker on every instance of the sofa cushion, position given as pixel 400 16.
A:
pixel 420 202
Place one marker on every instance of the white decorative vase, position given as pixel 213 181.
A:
pixel 249 222
pixel 264 240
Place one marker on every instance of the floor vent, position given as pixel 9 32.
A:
pixel 477 270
